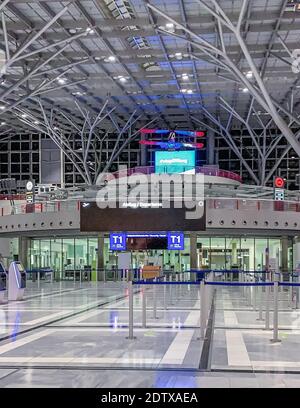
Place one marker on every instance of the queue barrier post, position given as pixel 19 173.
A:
pixel 165 293
pixel 130 317
pixel 171 290
pixel 202 310
pixel 291 293
pixel 275 338
pixel 267 314
pixel 144 308
pixel 260 315
pixel 154 300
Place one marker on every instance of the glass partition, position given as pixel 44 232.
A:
pixel 218 253
pixel 261 245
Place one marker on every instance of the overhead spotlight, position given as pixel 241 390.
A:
pixel 189 91
pixel 249 74
pixel 178 55
pixel 3 123
pixel 36 122
pixel 2 107
pixel 122 79
pixel 61 80
pixel 55 128
pixel 90 30
pixel 183 90
pixel 24 115
pixel 185 77
pixel 170 25
pixel 111 58
pixel 245 90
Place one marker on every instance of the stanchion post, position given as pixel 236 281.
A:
pixel 177 286
pixel 154 300
pixel 202 309
pixel 130 316
pixel 165 293
pixel 291 292
pixel 260 315
pixel 267 315
pixel 144 308
pixel 171 290
pixel 275 314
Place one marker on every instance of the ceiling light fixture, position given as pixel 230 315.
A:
pixel 245 90
pixel 249 74
pixel 24 115
pixel 112 58
pixel 2 107
pixel 185 77
pixel 61 80
pixel 3 123
pixel 170 25
pixel 122 79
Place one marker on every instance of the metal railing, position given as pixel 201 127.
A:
pixel 212 203
pixel 151 169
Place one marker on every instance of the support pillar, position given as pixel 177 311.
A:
pixel 24 243
pixel 210 147
pixel 193 252
pixel 99 275
pixel 284 254
pixel 143 149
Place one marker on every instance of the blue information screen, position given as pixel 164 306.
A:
pixel 181 161
pixel 117 242
pixel 176 241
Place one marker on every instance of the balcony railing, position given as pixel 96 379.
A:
pixel 211 203
pixel 150 170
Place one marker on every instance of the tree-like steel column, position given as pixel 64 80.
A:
pixel 219 54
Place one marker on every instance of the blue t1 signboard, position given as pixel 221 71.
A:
pixel 176 241
pixel 117 242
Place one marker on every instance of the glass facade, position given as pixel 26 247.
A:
pixel 236 252
pixel 68 254
pixel 63 254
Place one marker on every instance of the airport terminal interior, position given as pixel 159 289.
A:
pixel 149 194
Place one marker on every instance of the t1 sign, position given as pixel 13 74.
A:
pixel 176 241
pixel 117 242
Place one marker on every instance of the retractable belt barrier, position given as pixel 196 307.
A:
pixel 206 299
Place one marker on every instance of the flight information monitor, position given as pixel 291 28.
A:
pixel 170 162
pixel 93 219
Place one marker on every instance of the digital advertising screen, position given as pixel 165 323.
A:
pixel 170 162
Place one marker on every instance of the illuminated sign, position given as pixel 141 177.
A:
pixel 176 241
pixel 117 242
pixel 279 182
pixel 182 161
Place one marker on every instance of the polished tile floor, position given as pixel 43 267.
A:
pixel 75 335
